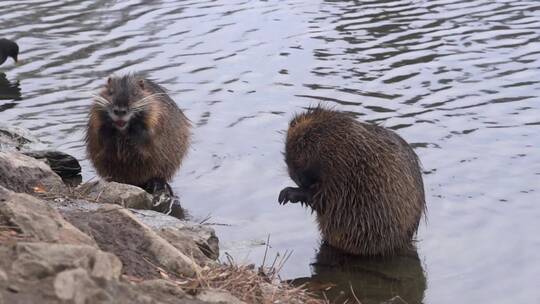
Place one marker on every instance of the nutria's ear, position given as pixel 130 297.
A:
pixel 141 84
pixel 108 86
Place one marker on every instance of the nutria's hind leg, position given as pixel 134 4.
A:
pixel 157 185
pixel 295 195
pixel 160 190
pixel 163 199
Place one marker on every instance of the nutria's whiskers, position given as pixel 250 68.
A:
pixel 100 101
pixel 143 103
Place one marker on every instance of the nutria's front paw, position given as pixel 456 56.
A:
pixel 293 195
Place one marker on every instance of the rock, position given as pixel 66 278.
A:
pixel 194 240
pixel 22 173
pixel 218 297
pixel 167 255
pixel 75 274
pixel 140 249
pixel 18 139
pixel 197 241
pixel 163 287
pixel 3 277
pixel 37 219
pixel 65 165
pixel 116 193
pixel 203 250
pixel 77 286
pixel 39 260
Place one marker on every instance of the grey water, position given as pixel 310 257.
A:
pixel 457 79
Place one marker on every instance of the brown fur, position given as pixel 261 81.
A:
pixel 154 149
pixel 367 188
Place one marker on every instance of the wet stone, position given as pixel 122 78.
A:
pixel 116 193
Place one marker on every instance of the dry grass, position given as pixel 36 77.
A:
pixel 249 285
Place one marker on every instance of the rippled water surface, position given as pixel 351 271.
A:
pixel 457 79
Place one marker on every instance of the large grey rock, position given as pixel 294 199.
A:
pixel 75 274
pixel 15 139
pixel 116 193
pixel 166 254
pixel 39 220
pixel 195 240
pixel 38 260
pixel 22 173
pixel 76 285
pixel 138 246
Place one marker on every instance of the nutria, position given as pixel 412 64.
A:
pixel 363 181
pixel 136 134
pixel 8 48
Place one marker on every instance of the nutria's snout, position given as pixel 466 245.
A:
pixel 120 117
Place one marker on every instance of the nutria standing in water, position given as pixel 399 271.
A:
pixel 363 181
pixel 136 134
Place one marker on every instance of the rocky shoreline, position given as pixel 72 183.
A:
pixel 99 243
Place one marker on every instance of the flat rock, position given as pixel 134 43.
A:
pixel 22 173
pixel 37 219
pixel 195 240
pixel 38 260
pixel 76 285
pixel 15 139
pixel 75 274
pixel 116 193
pixel 139 247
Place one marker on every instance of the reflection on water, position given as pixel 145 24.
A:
pixel 373 280
pixel 457 79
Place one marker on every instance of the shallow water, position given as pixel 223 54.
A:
pixel 457 79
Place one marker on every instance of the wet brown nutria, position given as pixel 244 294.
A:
pixel 136 133
pixel 363 181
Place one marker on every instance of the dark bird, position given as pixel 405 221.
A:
pixel 8 48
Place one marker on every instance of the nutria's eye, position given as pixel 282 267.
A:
pixel 141 84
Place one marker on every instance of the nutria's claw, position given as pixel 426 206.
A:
pixel 161 199
pixel 293 195
pixel 282 199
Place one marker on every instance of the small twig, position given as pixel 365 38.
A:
pixel 207 218
pixel 265 251
pixel 354 295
